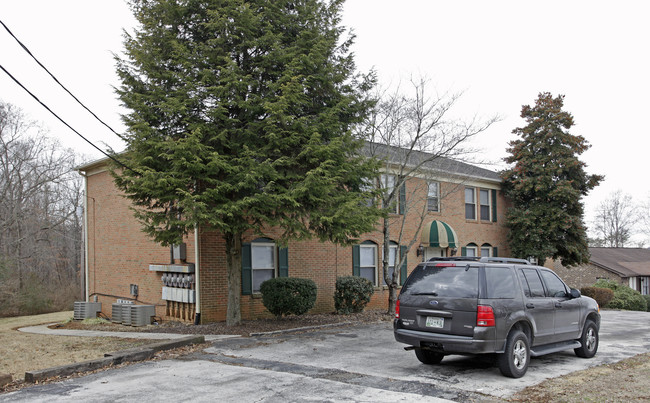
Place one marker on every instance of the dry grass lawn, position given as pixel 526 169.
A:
pixel 21 352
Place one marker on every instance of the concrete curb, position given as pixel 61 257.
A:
pixel 118 357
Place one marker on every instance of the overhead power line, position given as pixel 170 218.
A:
pixel 64 122
pixel 58 82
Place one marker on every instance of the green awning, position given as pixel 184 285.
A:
pixel 439 234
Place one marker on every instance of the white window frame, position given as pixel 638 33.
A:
pixel 374 248
pixel 488 205
pixel 473 249
pixel 431 196
pixel 473 202
pixel 253 268
pixel 488 249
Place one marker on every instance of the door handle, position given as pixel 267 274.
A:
pixel 558 305
pixel 530 306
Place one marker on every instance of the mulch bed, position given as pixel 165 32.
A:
pixel 247 327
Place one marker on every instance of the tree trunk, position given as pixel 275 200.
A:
pixel 392 300
pixel 233 267
pixel 391 281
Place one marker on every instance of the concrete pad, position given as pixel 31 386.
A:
pixel 44 329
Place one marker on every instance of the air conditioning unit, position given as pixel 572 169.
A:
pixel 116 313
pixel 141 314
pixel 85 310
pixel 126 314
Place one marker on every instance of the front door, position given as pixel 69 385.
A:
pixel 431 251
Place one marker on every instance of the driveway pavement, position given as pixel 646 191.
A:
pixel 357 363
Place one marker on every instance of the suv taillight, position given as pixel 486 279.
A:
pixel 484 316
pixel 397 309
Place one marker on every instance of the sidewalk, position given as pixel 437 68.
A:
pixel 44 329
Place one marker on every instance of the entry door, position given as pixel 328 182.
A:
pixel 430 252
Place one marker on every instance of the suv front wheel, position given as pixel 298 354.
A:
pixel 428 356
pixel 589 341
pixel 514 361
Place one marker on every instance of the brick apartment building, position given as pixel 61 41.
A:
pixel 464 209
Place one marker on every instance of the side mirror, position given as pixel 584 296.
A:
pixel 575 293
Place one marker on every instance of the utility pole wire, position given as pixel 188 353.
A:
pixel 58 82
pixel 64 122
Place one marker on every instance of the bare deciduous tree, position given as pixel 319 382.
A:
pixel 414 136
pixel 616 219
pixel 40 229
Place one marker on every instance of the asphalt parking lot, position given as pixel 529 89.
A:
pixel 357 363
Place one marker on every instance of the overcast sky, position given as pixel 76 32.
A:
pixel 501 54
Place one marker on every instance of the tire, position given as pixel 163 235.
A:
pixel 428 357
pixel 514 361
pixel 589 340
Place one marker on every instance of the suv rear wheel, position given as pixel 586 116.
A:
pixel 428 356
pixel 514 361
pixel 589 340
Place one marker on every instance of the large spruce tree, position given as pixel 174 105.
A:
pixel 546 185
pixel 240 118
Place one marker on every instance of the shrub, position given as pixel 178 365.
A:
pixel 602 295
pixel 352 294
pixel 647 300
pixel 624 297
pixel 288 295
pixel 602 283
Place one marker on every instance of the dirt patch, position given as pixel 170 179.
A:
pixel 21 352
pixel 623 381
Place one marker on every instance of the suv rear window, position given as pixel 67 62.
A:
pixel 443 281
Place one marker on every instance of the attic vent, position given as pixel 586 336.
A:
pixel 84 310
pixel 141 315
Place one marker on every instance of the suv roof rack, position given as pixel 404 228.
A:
pixel 503 260
pixel 454 259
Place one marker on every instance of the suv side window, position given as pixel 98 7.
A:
pixel 554 286
pixel 534 283
pixel 500 283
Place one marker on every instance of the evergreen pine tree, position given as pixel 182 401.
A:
pixel 240 120
pixel 546 185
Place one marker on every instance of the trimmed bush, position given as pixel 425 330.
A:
pixel 602 295
pixel 612 285
pixel 288 295
pixel 624 297
pixel 647 300
pixel 352 294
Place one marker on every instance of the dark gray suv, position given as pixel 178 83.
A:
pixel 493 305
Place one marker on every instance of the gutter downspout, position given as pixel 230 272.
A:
pixel 86 268
pixel 197 302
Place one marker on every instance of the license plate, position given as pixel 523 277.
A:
pixel 432 321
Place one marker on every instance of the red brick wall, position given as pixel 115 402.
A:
pixel 120 254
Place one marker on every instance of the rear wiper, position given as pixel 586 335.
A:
pixel 435 294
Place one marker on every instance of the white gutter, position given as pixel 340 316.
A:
pixel 197 302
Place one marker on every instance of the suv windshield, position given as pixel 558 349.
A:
pixel 443 281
